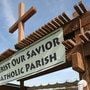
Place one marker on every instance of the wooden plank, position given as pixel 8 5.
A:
pixel 28 41
pixel 49 28
pixel 65 43
pixel 65 16
pixel 62 19
pixel 36 35
pixel 46 29
pixel 32 37
pixel 6 54
pixel 71 42
pixel 14 27
pixel 78 10
pixel 25 41
pixel 28 14
pixel 28 38
pixel 59 21
pixel 22 44
pixel 55 23
pixel 77 62
pixel 17 47
pixel 24 18
pixel 40 33
pixel 87 33
pixel 43 31
pixel 82 7
pixel 20 24
pixel 52 25
pixel 83 37
pixel 20 31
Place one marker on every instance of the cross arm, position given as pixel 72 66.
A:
pixel 24 18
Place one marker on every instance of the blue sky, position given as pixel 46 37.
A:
pixel 46 10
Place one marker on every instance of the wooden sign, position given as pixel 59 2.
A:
pixel 45 54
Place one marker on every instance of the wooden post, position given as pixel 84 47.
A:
pixel 21 24
pixel 22 85
pixel 86 75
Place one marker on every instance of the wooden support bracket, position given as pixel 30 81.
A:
pixel 65 43
pixel 69 43
pixel 83 37
pixel 77 62
pixel 87 33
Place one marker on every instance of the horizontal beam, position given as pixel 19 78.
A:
pixel 23 19
pixel 73 25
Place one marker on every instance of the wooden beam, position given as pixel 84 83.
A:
pixel 49 28
pixel 58 21
pixel 43 31
pixel 46 29
pixel 62 19
pixel 65 16
pixel 77 62
pixel 83 37
pixel 6 54
pixel 21 24
pixel 74 24
pixel 82 7
pixel 87 33
pixel 24 18
pixel 25 42
pixel 78 10
pixel 38 32
pixel 36 35
pixel 71 42
pixel 18 46
pixel 55 23
pixel 28 38
pixel 52 25
pixel 32 37
pixel 28 14
pixel 65 43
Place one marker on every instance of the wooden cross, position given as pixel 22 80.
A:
pixel 23 17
